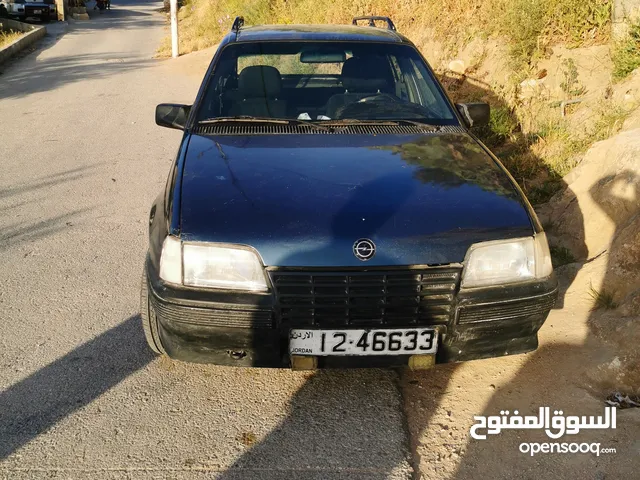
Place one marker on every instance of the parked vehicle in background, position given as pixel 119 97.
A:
pixel 53 9
pixel 42 10
pixel 102 5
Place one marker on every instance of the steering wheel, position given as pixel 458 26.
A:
pixel 379 96
pixel 383 105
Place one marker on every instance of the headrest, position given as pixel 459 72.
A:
pixel 365 74
pixel 259 81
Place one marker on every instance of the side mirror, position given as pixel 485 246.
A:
pixel 474 114
pixel 172 115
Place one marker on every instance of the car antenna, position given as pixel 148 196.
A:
pixel 238 23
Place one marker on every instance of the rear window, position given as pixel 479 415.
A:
pixel 320 81
pixel 289 64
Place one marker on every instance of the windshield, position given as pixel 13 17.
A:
pixel 323 81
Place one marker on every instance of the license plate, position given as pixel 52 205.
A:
pixel 393 341
pixel 35 12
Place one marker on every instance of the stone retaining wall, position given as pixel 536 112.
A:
pixel 32 33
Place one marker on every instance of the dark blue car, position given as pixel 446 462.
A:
pixel 329 206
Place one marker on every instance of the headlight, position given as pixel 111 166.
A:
pixel 222 267
pixel 209 265
pixel 507 261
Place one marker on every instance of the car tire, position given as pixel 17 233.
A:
pixel 149 319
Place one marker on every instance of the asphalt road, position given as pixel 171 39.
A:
pixel 81 396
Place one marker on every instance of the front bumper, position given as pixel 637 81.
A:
pixel 37 11
pixel 242 329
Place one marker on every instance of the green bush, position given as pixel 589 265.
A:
pixel 626 54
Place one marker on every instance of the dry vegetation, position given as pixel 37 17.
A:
pixel 7 37
pixel 529 25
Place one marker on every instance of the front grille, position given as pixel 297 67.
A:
pixel 365 298
pixel 507 310
pixel 215 317
pixel 337 129
pixel 29 10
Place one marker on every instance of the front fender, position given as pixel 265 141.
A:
pixel 164 216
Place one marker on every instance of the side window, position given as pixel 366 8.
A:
pixel 424 85
pixel 402 91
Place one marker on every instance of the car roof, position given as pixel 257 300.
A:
pixel 315 33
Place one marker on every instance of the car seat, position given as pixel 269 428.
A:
pixel 259 87
pixel 361 77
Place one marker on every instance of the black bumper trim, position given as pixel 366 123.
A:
pixel 508 309
pixel 245 334
pixel 228 315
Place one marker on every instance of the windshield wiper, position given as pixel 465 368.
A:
pixel 357 121
pixel 383 122
pixel 243 118
pixel 250 119
pixel 419 123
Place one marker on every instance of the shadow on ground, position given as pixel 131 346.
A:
pixel 345 424
pixel 35 404
pixel 30 74
pixel 21 231
pixel 52 73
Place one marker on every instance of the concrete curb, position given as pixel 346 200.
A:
pixel 33 33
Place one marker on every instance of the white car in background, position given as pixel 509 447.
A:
pixel 43 10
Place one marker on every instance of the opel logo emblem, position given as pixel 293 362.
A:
pixel 364 249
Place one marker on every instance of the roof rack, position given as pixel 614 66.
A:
pixel 238 23
pixel 372 19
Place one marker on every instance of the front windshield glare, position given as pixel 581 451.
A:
pixel 324 81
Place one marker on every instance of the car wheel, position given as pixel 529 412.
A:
pixel 149 319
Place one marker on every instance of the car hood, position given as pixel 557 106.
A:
pixel 303 200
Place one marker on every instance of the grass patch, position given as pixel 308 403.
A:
pixel 530 25
pixel 626 54
pixel 538 146
pixel 561 256
pixel 602 299
pixel 7 37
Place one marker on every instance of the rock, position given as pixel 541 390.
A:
pixel 630 307
pixel 627 92
pixel 632 121
pixel 602 197
pixel 623 275
pixel 532 88
pixel 457 66
pixel 598 215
